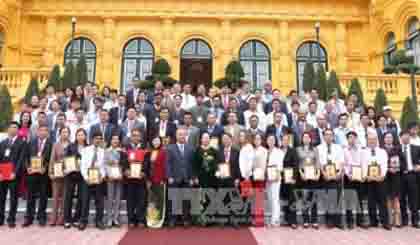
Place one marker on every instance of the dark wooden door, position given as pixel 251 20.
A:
pixel 196 72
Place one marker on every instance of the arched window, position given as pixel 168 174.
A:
pixel 1 47
pixel 256 62
pixel 413 38
pixel 309 51
pixel 85 47
pixel 138 56
pixel 390 49
pixel 196 49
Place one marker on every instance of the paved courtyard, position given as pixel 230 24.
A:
pixel 261 236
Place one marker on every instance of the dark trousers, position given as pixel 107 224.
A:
pixel 235 216
pixel 136 202
pixel 37 189
pixel 97 192
pixel 309 198
pixel 5 187
pixel 359 188
pixel 290 209
pixel 186 204
pixel 333 194
pixel 377 200
pixel 409 195
pixel 72 182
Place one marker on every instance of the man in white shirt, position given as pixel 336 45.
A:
pixel 363 130
pixel 373 157
pixel 253 111
pixel 269 119
pixel 354 117
pixel 311 117
pixel 342 130
pixel 92 160
pixel 331 154
pixel 79 123
pixel 93 115
pixel 188 100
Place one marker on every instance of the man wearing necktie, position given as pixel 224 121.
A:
pixel 93 157
pixel 104 127
pixel 119 114
pixel 12 151
pixel 180 157
pixel 39 147
pixel 410 169
pixel 376 185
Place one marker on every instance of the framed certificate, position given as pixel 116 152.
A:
pixel 115 172
pixel 258 174
pixel 291 140
pixel 374 170
pixel 58 169
pixel 36 165
pixel 224 170
pixel 71 164
pixel 288 175
pixel 135 170
pixel 214 142
pixel 132 156
pixel 394 163
pixel 331 171
pixel 94 176
pixel 356 173
pixel 309 172
pixel 273 174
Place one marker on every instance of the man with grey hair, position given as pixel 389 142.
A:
pixel 375 167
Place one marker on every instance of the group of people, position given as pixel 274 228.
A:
pixel 80 144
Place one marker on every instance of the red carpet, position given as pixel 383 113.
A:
pixel 192 236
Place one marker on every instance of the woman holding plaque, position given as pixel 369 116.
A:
pixel 274 167
pixel 205 168
pixel 73 181
pixel 290 174
pixel 393 178
pixel 115 158
pixel 258 178
pixel 56 173
pixel 309 169
pixel 156 177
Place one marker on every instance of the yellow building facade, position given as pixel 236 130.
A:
pixel 272 38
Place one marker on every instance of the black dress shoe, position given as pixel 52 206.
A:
pixel 387 227
pixel 82 227
pixel 42 223
pixel 100 226
pixel 351 226
pixel 1 223
pixel 12 225
pixel 416 226
pixel 67 225
pixel 27 223
pixel 116 224
pixel 171 223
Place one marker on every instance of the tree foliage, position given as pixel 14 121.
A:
pixel 33 89
pixel 380 100
pixel 55 77
pixel 69 78
pixel 333 85
pixel 308 77
pixel 321 78
pixel 81 76
pixel 6 112
pixel 356 89
pixel 408 114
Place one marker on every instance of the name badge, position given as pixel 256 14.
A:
pixel 7 152
pixel 132 156
pixel 156 120
pixel 199 119
pixel 119 121
pixel 176 122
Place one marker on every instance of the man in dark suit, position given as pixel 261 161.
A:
pixel 103 126
pixel 179 173
pixel 12 150
pixel 229 154
pixel 410 167
pixel 39 147
pixel 177 113
pixel 164 128
pixel 119 114
pixel 233 107
pixel 278 128
pixel 132 94
pixel 276 97
pixel 215 130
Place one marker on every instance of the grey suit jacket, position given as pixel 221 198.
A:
pixel 193 136
pixel 178 165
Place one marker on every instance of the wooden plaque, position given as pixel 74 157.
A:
pixel 166 140
pixel 288 175
pixel 309 172
pixel 356 173
pixel 374 170
pixel 331 171
pixel 36 165
pixel 258 174
pixel 71 164
pixel 58 170
pixel 115 172
pixel 135 170
pixel 273 174
pixel 224 170
pixel 94 176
